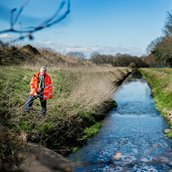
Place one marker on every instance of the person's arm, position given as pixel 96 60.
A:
pixel 50 89
pixel 32 86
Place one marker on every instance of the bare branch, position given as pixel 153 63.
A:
pixel 54 15
pixel 20 11
pixel 12 17
pixel 28 31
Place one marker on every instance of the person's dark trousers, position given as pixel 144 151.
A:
pixel 30 100
pixel 43 105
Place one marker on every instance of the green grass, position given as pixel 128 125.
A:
pixel 91 131
pixel 160 81
pixel 169 134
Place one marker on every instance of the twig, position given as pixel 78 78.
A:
pixel 28 31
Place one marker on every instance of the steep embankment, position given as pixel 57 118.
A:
pixel 82 96
pixel 30 56
pixel 160 81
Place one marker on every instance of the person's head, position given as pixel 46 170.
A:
pixel 43 70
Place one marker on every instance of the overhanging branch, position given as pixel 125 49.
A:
pixel 56 18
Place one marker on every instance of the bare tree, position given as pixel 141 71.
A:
pixel 27 32
pixel 76 54
pixel 168 25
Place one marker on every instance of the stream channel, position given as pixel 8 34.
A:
pixel 132 137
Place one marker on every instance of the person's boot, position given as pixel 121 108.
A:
pixel 43 112
pixel 27 110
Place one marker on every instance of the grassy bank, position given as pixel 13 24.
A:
pixel 160 81
pixel 82 96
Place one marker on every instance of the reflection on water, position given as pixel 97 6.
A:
pixel 133 132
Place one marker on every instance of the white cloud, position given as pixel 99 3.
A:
pixel 6 36
pixel 65 48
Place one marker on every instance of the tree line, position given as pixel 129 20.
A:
pixel 160 49
pixel 119 59
pixel 122 60
pixel 159 52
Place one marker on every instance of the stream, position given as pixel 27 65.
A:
pixel 132 137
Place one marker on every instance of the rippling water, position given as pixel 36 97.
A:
pixel 131 138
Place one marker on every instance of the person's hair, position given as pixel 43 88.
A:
pixel 44 68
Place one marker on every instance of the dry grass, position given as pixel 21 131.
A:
pixel 91 87
pixel 75 89
pixel 92 90
pixel 30 56
pixel 90 93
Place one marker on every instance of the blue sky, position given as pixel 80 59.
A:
pixel 107 26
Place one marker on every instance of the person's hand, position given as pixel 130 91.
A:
pixel 39 90
pixel 35 94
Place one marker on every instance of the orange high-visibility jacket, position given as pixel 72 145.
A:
pixel 48 90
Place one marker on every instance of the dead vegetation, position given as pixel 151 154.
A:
pixel 31 56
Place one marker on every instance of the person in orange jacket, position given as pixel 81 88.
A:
pixel 41 86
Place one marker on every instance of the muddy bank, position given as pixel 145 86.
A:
pixel 17 156
pixel 39 158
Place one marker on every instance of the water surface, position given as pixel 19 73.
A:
pixel 131 138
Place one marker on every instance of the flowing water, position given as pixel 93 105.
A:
pixel 131 138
